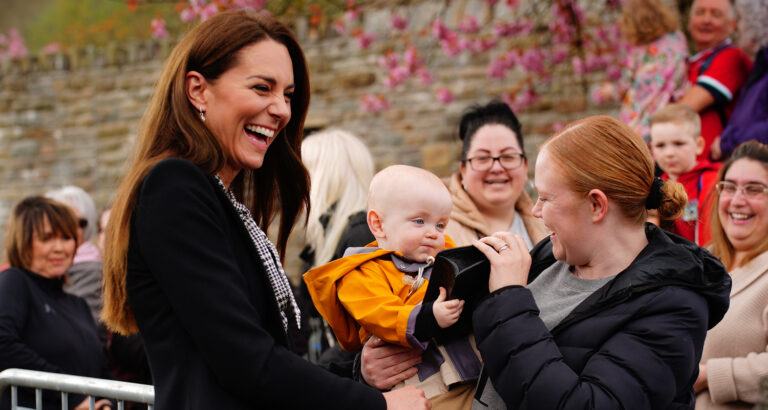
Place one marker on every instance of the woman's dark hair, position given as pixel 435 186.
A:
pixel 476 116
pixel 28 221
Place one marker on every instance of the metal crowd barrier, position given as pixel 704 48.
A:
pixel 65 383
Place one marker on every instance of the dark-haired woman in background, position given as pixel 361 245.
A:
pixel 488 190
pixel 42 327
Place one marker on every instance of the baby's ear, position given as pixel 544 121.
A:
pixel 375 225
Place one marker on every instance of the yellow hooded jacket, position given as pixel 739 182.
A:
pixel 365 294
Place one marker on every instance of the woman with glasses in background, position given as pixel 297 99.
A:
pixel 488 190
pixel 735 358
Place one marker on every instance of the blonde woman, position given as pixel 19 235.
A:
pixel 340 168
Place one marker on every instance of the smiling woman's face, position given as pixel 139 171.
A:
pixel 51 253
pixel 497 187
pixel 249 104
pixel 744 219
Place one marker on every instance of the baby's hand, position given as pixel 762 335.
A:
pixel 446 312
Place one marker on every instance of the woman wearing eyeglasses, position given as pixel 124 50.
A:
pixel 734 357
pixel 488 190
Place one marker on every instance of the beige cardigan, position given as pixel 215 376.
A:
pixel 468 224
pixel 735 349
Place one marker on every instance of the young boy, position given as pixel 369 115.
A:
pixel 675 143
pixel 377 290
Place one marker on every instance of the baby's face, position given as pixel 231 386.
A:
pixel 415 226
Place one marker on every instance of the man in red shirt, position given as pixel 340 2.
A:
pixel 716 72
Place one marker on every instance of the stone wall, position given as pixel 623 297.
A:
pixel 72 118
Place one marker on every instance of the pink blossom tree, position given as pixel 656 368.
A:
pixel 562 36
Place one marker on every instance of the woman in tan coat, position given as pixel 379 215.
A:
pixel 488 190
pixel 735 358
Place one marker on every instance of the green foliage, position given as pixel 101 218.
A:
pixel 79 22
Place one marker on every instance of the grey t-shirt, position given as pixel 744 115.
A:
pixel 557 292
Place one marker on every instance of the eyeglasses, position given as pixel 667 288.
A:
pixel 82 223
pixel 751 190
pixel 485 162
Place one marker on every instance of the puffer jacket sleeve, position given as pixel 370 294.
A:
pixel 642 364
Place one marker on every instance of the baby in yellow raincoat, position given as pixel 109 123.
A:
pixel 378 290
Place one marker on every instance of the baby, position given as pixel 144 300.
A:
pixel 378 290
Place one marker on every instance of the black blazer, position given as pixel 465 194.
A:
pixel 206 310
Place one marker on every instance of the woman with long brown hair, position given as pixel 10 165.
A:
pixel 187 261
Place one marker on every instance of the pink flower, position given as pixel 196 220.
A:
pixel 450 48
pixel 559 54
pixel 398 22
pixel 578 66
pixel 208 11
pixel 557 127
pixel 397 76
pixel 499 66
pixel 351 15
pixel 51 48
pixel 533 60
pixel 594 62
pixel 469 25
pixel 484 44
pixel 249 4
pixel 411 59
pixel 187 15
pixel 522 100
pixel 158 28
pixel 444 95
pixel 388 61
pixel 505 29
pixel 364 40
pixel 15 44
pixel 340 27
pixel 614 73
pixel 512 3
pixel 425 77
pixel 373 103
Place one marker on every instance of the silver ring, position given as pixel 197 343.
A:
pixel 502 248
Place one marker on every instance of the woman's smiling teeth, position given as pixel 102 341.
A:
pixel 259 131
pixel 496 181
pixel 739 216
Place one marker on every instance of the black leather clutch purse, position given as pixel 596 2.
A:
pixel 463 272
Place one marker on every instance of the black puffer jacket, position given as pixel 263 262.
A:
pixel 633 344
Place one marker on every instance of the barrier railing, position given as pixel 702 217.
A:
pixel 66 384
